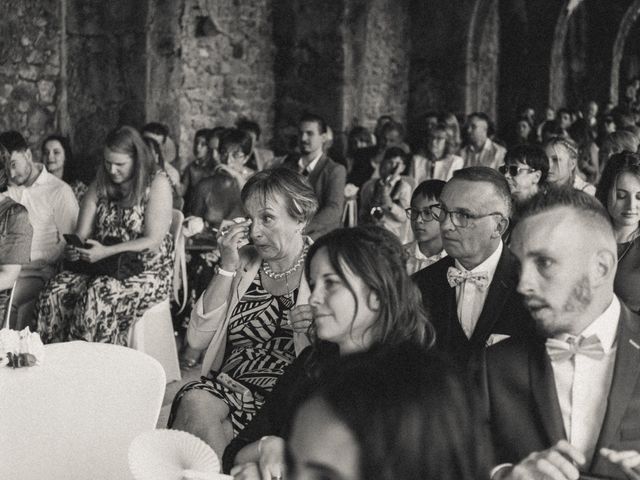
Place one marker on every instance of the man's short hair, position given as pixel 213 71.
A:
pixel 588 208
pixel 531 155
pixel 249 126
pixel 484 117
pixel 428 189
pixel 487 175
pixel 393 152
pixel 156 128
pixel 13 141
pixel 313 118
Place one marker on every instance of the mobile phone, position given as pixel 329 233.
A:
pixel 73 240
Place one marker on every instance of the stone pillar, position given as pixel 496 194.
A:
pixel 29 68
pixel 226 66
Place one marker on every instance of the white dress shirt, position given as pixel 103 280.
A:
pixel 416 260
pixel 310 167
pixel 469 298
pixel 583 383
pixel 53 211
pixel 490 155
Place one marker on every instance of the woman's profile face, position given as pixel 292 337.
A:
pixel 201 148
pixel 343 312
pixel 273 230
pixel 624 201
pixel 321 447
pixel 523 129
pixel 53 156
pixel 119 166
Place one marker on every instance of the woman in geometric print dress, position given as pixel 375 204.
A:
pixel 127 209
pixel 242 317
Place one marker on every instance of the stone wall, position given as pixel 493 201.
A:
pixel 383 79
pixel 29 67
pixel 226 66
pixel 106 72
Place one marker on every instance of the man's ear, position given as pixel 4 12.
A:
pixel 603 266
pixel 373 301
pixel 501 226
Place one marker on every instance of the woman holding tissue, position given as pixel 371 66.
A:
pixel 242 318
pixel 124 221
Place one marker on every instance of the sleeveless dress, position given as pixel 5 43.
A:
pixel 259 348
pixel 75 306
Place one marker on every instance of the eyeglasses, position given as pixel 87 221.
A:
pixel 414 213
pixel 458 218
pixel 514 170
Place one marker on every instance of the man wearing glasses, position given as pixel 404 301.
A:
pixel 526 168
pixel 471 294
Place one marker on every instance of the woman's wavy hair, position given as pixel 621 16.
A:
pixel 375 255
pixel 412 414
pixel 618 163
pixel 128 141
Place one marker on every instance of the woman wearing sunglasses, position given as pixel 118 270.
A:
pixel 526 168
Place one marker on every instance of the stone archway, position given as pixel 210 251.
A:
pixel 628 20
pixel 481 58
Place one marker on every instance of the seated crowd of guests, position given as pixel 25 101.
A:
pixel 481 321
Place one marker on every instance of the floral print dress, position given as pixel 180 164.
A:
pixel 102 309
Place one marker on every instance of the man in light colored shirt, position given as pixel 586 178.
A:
pixel 327 178
pixel 53 211
pixel 471 294
pixel 567 402
pixel 481 150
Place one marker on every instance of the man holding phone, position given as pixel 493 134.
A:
pixel 569 401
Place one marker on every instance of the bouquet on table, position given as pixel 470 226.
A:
pixel 20 348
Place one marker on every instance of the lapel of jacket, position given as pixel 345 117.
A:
pixel 543 387
pixel 625 376
pixel 497 296
pixel 317 170
pixel 447 298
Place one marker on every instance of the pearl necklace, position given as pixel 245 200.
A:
pixel 278 275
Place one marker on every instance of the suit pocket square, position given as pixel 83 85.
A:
pixel 495 338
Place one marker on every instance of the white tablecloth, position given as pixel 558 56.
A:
pixel 74 416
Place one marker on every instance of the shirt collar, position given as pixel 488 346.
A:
pixel 417 253
pixel 487 142
pixel 43 177
pixel 605 327
pixel 311 165
pixel 489 265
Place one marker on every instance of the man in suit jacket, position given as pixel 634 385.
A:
pixel 568 401
pixel 471 294
pixel 327 177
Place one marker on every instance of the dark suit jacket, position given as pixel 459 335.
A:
pixel 522 402
pixel 503 312
pixel 328 179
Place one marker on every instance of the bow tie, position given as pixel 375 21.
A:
pixel 565 350
pixel 457 277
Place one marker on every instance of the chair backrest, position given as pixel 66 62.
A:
pixel 7 316
pixel 78 411
pixel 179 263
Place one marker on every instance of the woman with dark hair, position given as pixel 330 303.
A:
pixel 15 236
pixel 619 192
pixel 437 160
pixel 202 166
pixel 526 168
pixel 235 148
pixel 523 132
pixel 398 413
pixel 359 138
pixel 361 298
pixel 242 319
pixel 126 209
pixel 58 158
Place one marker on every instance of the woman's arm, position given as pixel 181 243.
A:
pixel 84 228
pixel 395 206
pixel 157 221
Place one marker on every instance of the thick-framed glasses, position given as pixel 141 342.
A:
pixel 514 170
pixel 458 218
pixel 423 213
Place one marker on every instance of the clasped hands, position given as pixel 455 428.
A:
pixel 563 462
pixel 94 253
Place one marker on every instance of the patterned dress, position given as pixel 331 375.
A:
pixel 259 348
pixel 102 309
